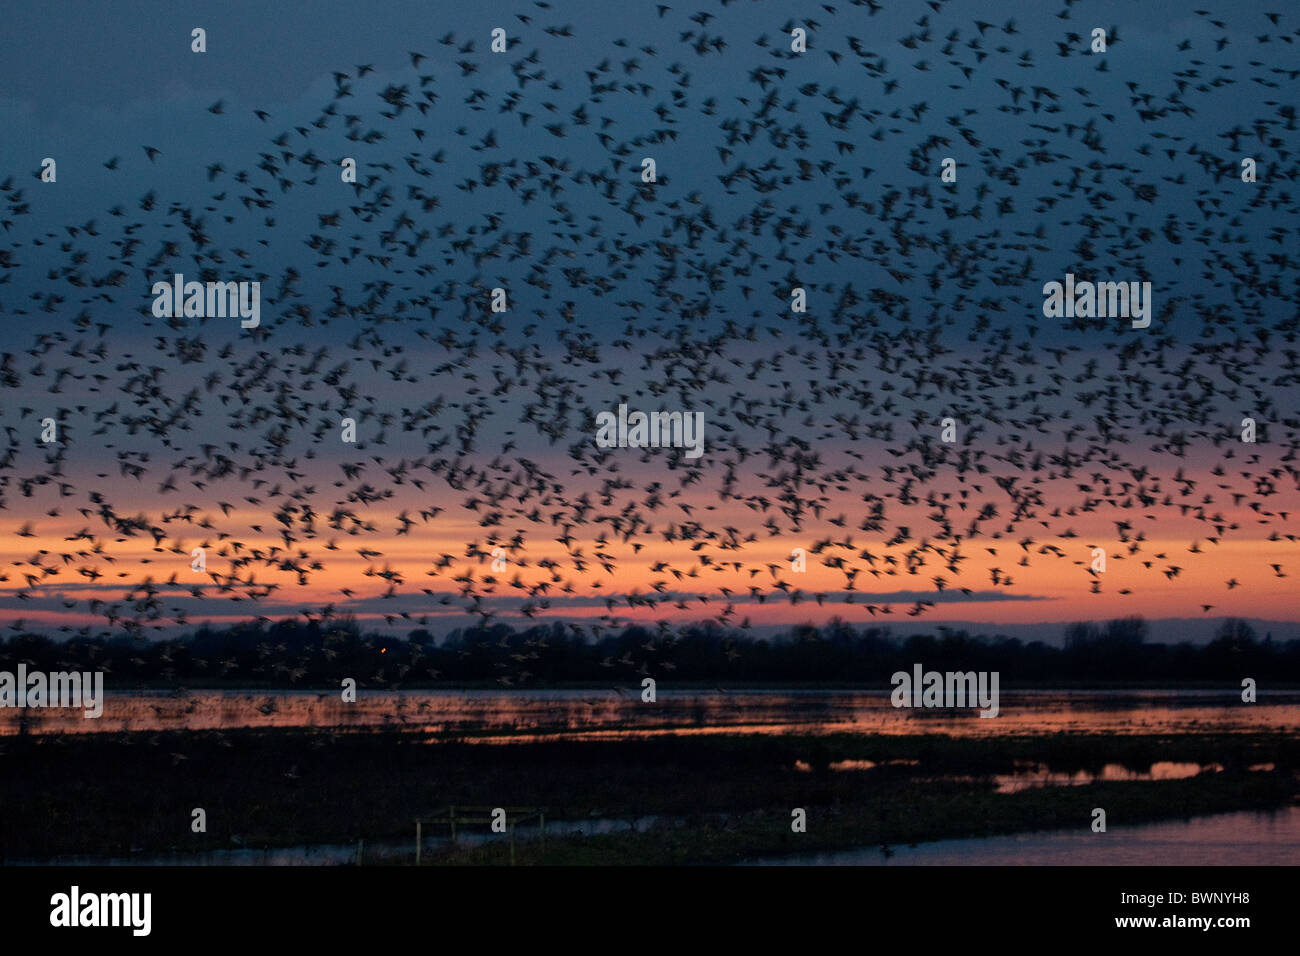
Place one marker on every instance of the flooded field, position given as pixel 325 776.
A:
pixel 497 716
pixel 1225 839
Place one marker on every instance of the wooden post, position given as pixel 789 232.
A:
pixel 451 814
pixel 417 842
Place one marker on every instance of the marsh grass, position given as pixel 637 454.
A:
pixel 726 796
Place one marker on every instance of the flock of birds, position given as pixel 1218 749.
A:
pixel 775 170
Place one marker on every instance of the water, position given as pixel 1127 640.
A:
pixel 1226 839
pixel 502 716
pixel 344 854
pixel 1028 775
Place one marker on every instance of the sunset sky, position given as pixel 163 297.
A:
pixel 1069 438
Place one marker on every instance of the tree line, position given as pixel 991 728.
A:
pixel 321 652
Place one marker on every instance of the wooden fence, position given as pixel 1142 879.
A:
pixel 454 816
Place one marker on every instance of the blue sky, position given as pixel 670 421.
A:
pixel 928 291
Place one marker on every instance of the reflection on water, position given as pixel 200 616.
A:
pixel 566 714
pixel 1030 775
pixel 1041 775
pixel 1226 839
